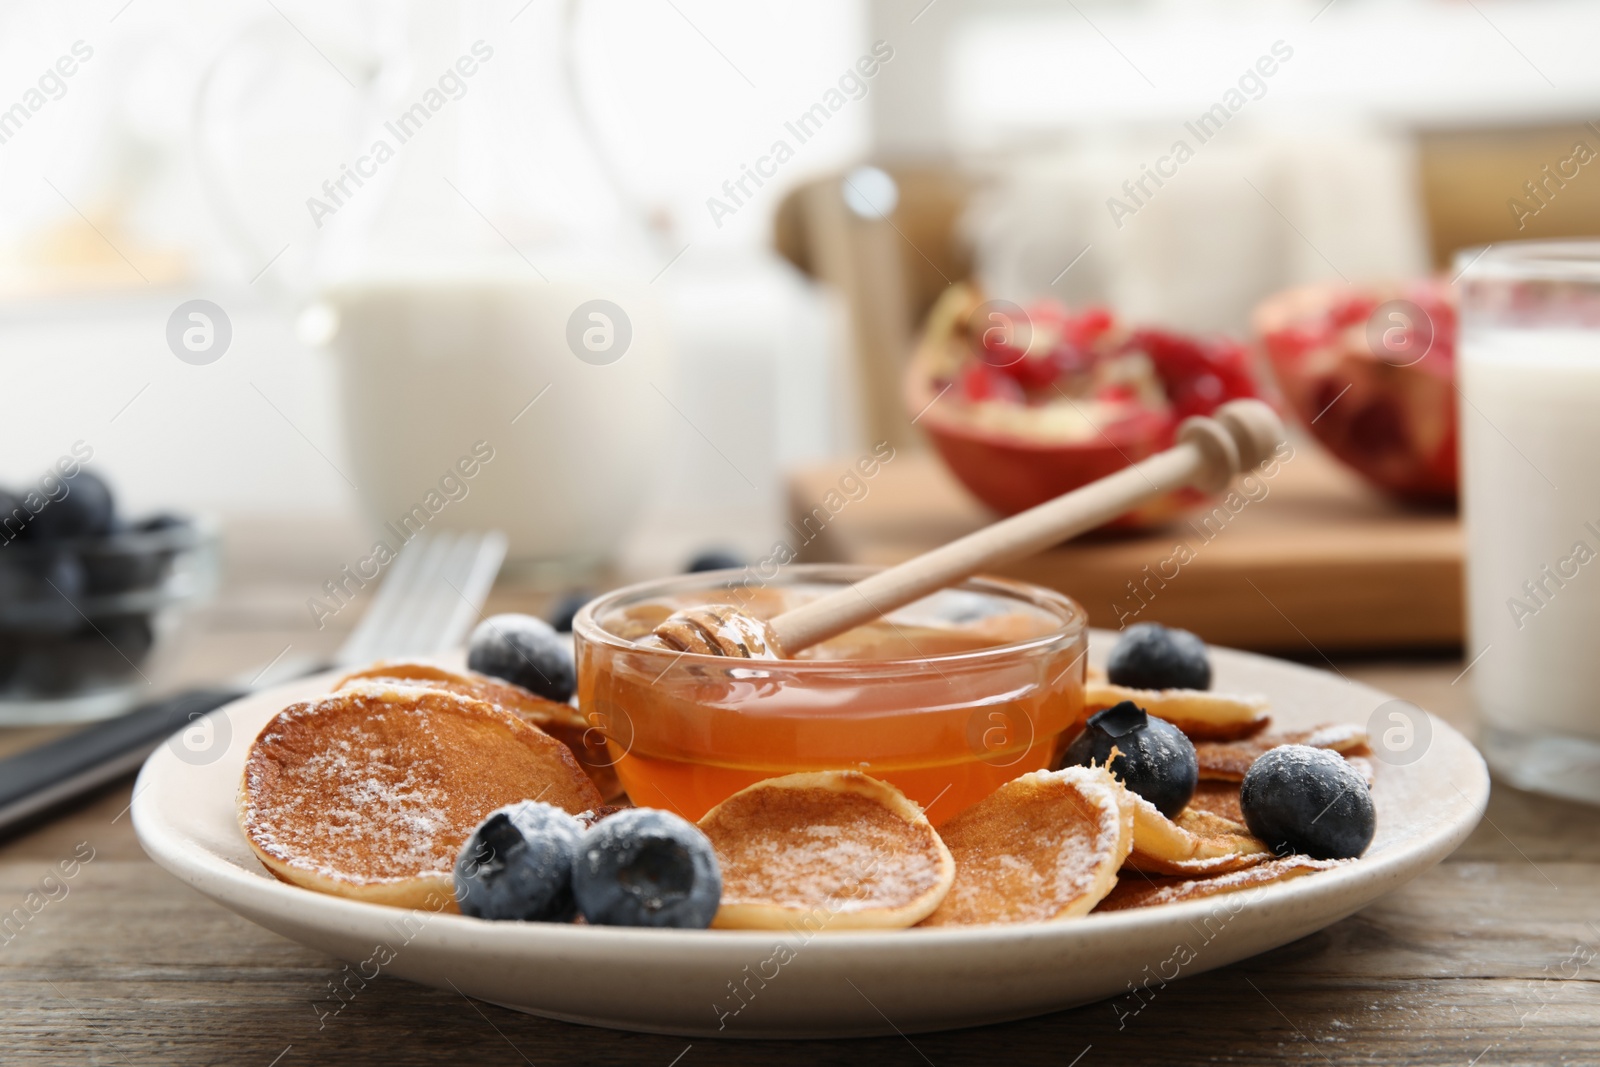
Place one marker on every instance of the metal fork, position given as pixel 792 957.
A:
pixel 432 595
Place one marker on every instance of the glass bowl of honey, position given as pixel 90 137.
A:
pixel 947 698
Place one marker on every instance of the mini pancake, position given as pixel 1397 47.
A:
pixel 1196 843
pixel 825 850
pixel 1218 798
pixel 1043 847
pixel 370 792
pixel 1227 761
pixel 1141 892
pixel 1200 714
pixel 561 721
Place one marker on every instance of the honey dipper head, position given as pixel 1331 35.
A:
pixel 718 630
pixel 1256 430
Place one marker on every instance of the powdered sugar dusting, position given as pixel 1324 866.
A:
pixel 1035 848
pixel 383 783
pixel 807 848
pixel 1338 736
pixel 1145 891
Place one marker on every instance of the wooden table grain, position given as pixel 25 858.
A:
pixel 1492 958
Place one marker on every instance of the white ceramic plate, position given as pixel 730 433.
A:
pixel 758 984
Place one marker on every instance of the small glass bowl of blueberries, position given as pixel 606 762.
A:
pixel 88 597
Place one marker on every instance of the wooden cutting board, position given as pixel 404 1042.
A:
pixel 1316 562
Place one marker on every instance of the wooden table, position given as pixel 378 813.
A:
pixel 1492 958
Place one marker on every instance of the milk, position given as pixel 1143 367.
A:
pixel 433 366
pixel 1530 437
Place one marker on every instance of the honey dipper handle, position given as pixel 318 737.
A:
pixel 1210 451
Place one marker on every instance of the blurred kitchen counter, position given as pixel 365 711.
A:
pixel 131 966
pixel 1317 562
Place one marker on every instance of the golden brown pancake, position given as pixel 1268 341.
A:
pixel 1228 761
pixel 1195 843
pixel 1134 891
pixel 1042 847
pixel 825 850
pixel 1200 714
pixel 370 792
pixel 1218 798
pixel 561 721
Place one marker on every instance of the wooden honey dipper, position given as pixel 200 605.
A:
pixel 1241 435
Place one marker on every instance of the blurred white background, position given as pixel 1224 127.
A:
pixel 177 161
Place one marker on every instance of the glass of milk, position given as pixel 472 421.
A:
pixel 1529 373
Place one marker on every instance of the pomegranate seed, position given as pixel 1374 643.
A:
pixel 979 381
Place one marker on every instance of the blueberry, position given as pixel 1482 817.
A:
pixel 14 517
pixel 130 559
pixel 132 636
pixel 162 520
pixel 121 570
pixel 1154 758
pixel 86 511
pixel 16 576
pixel 65 576
pixel 58 591
pixel 643 867
pixel 1308 800
pixel 1150 656
pixel 518 865
pixel 566 609
pixel 47 666
pixel 11 648
pixel 715 559
pixel 106 654
pixel 525 651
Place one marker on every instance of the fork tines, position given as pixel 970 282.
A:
pixel 433 594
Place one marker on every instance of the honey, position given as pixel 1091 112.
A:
pixel 947 699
